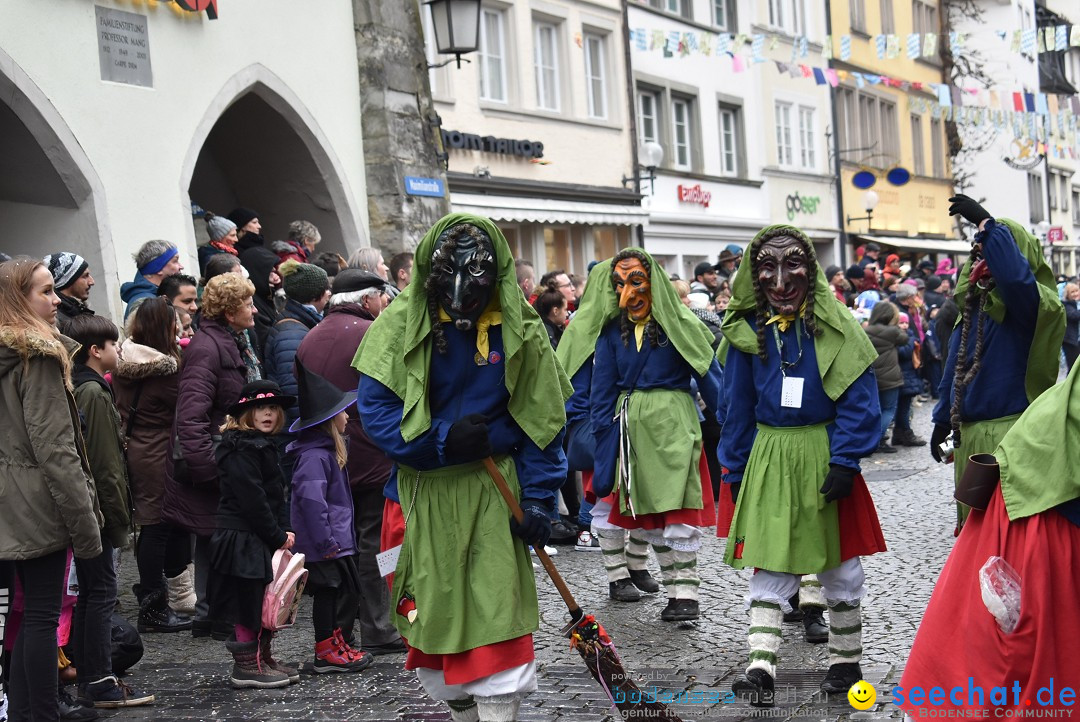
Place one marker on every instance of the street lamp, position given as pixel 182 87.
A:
pixel 457 27
pixel 650 155
pixel 1042 229
pixel 870 201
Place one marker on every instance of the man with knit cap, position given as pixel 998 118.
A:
pixel 307 289
pixel 459 369
pixel 802 409
pixel 72 281
pixel 248 228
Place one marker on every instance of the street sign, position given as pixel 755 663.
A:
pixel 415 186
pixel 1056 234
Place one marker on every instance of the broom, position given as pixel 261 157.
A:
pixel 589 638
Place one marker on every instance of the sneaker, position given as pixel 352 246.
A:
pixel 550 551
pixel 72 710
pixel 333 655
pixel 111 693
pixel 586 542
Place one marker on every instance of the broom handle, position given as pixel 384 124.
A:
pixel 549 566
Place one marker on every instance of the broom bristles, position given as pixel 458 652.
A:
pixel 602 660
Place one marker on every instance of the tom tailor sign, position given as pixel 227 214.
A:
pixel 123 47
pixel 490 144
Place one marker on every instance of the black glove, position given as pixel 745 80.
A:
pixel 535 526
pixel 937 438
pixel 735 486
pixel 969 208
pixel 468 440
pixel 838 482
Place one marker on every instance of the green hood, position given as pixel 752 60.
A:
pixel 1040 454
pixel 843 349
pixel 396 350
pixel 600 305
pixel 1042 368
pixel 578 341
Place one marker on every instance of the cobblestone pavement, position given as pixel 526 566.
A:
pixel 914 501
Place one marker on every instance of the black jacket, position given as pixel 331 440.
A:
pixel 1072 323
pixel 253 495
pixel 259 262
pixel 70 308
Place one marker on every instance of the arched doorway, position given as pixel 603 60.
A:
pixel 51 199
pixel 261 149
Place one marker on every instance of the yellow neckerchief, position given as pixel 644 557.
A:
pixel 783 320
pixel 491 316
pixel 639 330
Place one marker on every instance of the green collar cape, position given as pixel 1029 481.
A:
pixel 1042 366
pixel 397 348
pixel 843 349
pixel 600 305
pixel 1040 454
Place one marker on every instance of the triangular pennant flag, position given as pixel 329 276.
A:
pixel 930 45
pixel 845 47
pixel 914 45
pixel 826 48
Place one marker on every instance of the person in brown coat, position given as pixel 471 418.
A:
pixel 358 298
pixel 47 497
pixel 217 363
pixel 887 338
pixel 145 385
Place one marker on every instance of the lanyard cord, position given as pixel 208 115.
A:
pixel 785 365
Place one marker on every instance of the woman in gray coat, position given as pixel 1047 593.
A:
pixel 47 499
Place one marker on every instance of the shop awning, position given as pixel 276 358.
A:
pixel 548 210
pixel 930 245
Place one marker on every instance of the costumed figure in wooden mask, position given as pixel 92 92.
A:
pixel 649 349
pixel 1005 352
pixel 456 369
pixel 802 409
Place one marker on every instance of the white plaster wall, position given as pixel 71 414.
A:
pixel 142 142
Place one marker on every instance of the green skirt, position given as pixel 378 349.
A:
pixel 977 437
pixel 469 580
pixel 665 436
pixel 782 522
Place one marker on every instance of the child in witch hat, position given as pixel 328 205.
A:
pixel 322 515
pixel 252 523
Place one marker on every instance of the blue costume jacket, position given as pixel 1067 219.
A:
pixel 654 368
pixel 854 419
pixel 458 387
pixel 998 390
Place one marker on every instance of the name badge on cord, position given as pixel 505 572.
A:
pixel 791 392
pixel 387 560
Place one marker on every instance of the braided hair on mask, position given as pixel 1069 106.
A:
pixel 762 302
pixel 445 246
pixel 966 371
pixel 626 326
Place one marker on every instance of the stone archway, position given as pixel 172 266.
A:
pixel 259 147
pixel 51 199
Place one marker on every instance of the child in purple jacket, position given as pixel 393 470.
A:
pixel 322 517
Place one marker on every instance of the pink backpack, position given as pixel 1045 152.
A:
pixel 282 598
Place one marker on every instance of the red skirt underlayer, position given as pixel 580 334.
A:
pixel 706 516
pixel 471 664
pixel 959 639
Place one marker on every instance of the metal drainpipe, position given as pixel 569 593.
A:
pixel 632 105
pixel 842 260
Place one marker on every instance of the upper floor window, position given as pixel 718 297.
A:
pixel 807 139
pixel 937 147
pixel 924 17
pixel 857 15
pixel 492 56
pixel 730 140
pixel 918 154
pixel 682 134
pixel 596 76
pixel 788 15
pixel 648 121
pixel 724 14
pixel 888 20
pixel 784 142
pixel 547 66
pixel 682 8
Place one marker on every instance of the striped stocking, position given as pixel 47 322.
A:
pixel 637 550
pixel 686 581
pixel 764 636
pixel 666 557
pixel 810 592
pixel 613 545
pixel 845 633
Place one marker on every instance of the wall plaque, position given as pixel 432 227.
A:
pixel 123 47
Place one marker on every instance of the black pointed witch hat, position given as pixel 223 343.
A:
pixel 319 399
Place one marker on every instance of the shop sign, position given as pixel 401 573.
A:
pixel 197 6
pixel 123 44
pixel 433 187
pixel 796 204
pixel 1056 234
pixel 1022 155
pixel 695 194
pixel 490 144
